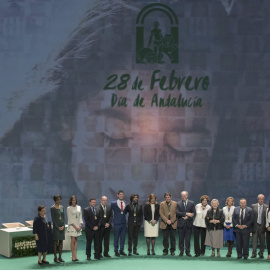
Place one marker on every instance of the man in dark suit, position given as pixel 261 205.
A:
pixel 92 220
pixel 119 220
pixel 185 211
pixel 105 227
pixel 243 225
pixel 259 210
pixel 135 220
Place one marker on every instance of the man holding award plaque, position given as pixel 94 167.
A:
pixel 119 220
pixel 105 227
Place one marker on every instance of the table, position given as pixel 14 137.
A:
pixel 6 236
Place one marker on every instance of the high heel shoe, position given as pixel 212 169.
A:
pixel 148 252
pixel 153 252
pixel 40 263
pixel 218 254
pixel 56 260
pixel 213 254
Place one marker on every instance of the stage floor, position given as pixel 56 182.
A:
pixel 140 262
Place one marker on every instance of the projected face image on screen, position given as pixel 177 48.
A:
pixel 75 139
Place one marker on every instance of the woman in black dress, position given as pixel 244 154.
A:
pixel 41 236
pixel 58 219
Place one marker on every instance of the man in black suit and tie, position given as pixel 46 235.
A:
pixel 92 220
pixel 259 229
pixel 105 227
pixel 135 219
pixel 243 225
pixel 185 211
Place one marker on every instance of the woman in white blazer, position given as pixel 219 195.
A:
pixel 228 234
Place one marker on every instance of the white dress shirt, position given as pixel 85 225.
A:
pixel 199 220
pixel 119 204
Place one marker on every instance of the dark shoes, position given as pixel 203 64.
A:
pixel 188 254
pixel 117 254
pixel 97 257
pixel 56 260
pixel 153 252
pixel 107 255
pixel 61 260
pixel 202 254
pixel 136 253
pixel 88 257
pixel 239 258
pixel 46 262
pixel 181 254
pixel 123 253
pixel 228 255
pixel 261 257
pixel 172 253
pixel 40 263
pixel 148 252
pixel 164 253
pixel 197 255
pixel 129 254
pixel 253 256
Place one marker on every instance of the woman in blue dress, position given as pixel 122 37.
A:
pixel 228 234
pixel 41 236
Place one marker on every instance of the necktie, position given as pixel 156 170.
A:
pixel 122 207
pixel 260 215
pixel 94 210
pixel 242 216
pixel 185 204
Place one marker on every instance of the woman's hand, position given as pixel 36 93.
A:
pixel 36 237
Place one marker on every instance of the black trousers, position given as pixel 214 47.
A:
pixel 268 241
pixel 169 231
pixel 242 244
pixel 184 238
pixel 90 235
pixel 104 236
pixel 199 248
pixel 133 232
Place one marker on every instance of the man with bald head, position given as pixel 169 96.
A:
pixel 259 210
pixel 105 228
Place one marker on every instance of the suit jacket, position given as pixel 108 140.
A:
pixel 248 220
pixel 89 218
pixel 108 218
pixel 256 213
pixel 118 218
pixel 139 214
pixel 148 212
pixel 181 212
pixel 164 214
pixel 218 216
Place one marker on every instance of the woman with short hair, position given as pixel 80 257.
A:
pixel 214 223
pixel 58 219
pixel 199 226
pixel 40 231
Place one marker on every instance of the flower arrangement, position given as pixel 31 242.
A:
pixel 24 246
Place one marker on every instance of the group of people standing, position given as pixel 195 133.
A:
pixel 210 224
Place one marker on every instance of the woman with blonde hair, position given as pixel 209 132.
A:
pixel 151 223
pixel 228 234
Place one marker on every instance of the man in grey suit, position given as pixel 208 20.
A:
pixel 259 210
pixel 243 225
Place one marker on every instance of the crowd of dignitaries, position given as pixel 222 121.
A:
pixel 210 224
